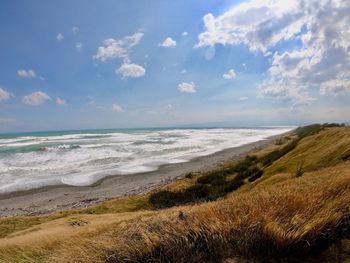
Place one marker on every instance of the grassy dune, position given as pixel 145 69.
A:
pixel 276 216
pixel 324 149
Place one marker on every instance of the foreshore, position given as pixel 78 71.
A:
pixel 61 197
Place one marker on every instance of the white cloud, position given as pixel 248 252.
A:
pixel 168 42
pixel 5 95
pixel 321 59
pixel 183 71
pixel 60 37
pixel 36 98
pixel 79 46
pixel 230 74
pixel 75 30
pixel 257 23
pixel 187 87
pixel 243 98
pixel 285 92
pixel 113 49
pixel 60 101
pixel 131 70
pixel 335 86
pixel 184 34
pixel 117 108
pixel 26 73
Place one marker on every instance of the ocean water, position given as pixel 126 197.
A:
pixel 80 158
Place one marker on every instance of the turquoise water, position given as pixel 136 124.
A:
pixel 79 158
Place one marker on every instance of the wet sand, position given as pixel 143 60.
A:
pixel 61 197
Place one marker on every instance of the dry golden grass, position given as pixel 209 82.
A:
pixel 117 205
pixel 293 216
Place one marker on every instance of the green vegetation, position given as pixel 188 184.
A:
pixel 312 129
pixel 209 186
pixel 275 155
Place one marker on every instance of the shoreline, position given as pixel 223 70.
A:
pixel 53 198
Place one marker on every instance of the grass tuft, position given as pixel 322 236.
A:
pixel 299 170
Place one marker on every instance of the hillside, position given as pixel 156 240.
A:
pixel 287 201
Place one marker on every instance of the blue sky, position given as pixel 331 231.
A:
pixel 114 64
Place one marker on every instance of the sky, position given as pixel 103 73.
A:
pixel 87 64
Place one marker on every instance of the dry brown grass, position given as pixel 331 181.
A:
pixel 288 218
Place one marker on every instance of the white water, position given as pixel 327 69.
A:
pixel 81 159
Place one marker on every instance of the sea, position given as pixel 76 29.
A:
pixel 81 158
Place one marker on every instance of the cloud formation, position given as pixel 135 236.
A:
pixel 60 37
pixel 131 70
pixel 187 87
pixel 75 30
pixel 26 73
pixel 35 98
pixel 4 95
pixel 168 43
pixel 60 101
pixel 113 48
pixel 117 108
pixel 320 58
pixel 230 74
pixel 79 46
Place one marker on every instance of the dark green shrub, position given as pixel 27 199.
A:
pixel 189 175
pixel 195 192
pixel 330 125
pixel 256 176
pixel 247 173
pixel 233 185
pixel 244 165
pixel 308 130
pixel 346 156
pixel 213 179
pixel 163 199
pixel 312 129
pixel 269 158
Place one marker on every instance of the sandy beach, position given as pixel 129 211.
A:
pixel 60 197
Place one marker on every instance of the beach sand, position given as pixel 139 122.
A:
pixel 62 197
